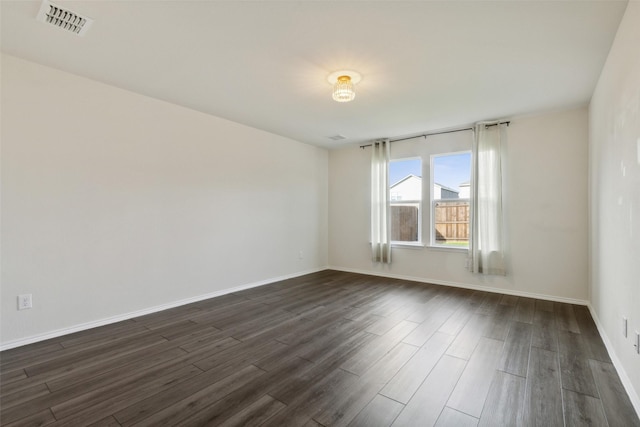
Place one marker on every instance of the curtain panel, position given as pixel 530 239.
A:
pixel 486 247
pixel 380 233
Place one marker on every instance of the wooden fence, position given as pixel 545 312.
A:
pixel 451 222
pixel 404 223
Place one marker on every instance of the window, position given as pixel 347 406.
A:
pixel 405 200
pixel 450 207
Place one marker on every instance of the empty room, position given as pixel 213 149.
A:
pixel 320 213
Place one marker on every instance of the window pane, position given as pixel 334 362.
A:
pixel 450 207
pixel 405 194
pixel 404 223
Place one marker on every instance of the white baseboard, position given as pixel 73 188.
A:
pixel 465 286
pixel 624 378
pixel 126 316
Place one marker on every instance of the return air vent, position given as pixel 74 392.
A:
pixel 63 18
pixel 337 137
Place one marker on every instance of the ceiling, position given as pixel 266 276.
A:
pixel 425 65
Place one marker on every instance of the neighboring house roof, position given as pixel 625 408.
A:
pixel 406 178
pixel 444 187
pixel 420 178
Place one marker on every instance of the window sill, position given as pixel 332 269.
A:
pixel 408 245
pixel 420 245
pixel 447 249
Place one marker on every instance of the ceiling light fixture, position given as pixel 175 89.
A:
pixel 343 82
pixel 343 90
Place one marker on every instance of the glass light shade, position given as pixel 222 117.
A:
pixel 343 90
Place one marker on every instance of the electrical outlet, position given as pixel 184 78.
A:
pixel 24 302
pixel 624 327
pixel 637 344
pixel 300 254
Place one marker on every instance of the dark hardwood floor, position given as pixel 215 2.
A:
pixel 326 349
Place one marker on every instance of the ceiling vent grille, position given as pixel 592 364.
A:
pixel 63 18
pixel 337 137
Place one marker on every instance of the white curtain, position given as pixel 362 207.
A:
pixel 380 234
pixel 486 248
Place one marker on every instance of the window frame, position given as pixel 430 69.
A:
pixel 432 202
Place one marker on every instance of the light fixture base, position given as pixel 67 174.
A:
pixel 355 76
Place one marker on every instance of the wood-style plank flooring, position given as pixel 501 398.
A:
pixel 326 349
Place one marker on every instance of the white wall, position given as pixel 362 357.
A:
pixel 437 192
pixel 114 202
pixel 547 235
pixel 615 196
pixel 409 189
pixel 464 191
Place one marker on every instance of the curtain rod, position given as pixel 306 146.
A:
pixel 439 133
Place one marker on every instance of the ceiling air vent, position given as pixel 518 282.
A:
pixel 337 137
pixel 63 18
